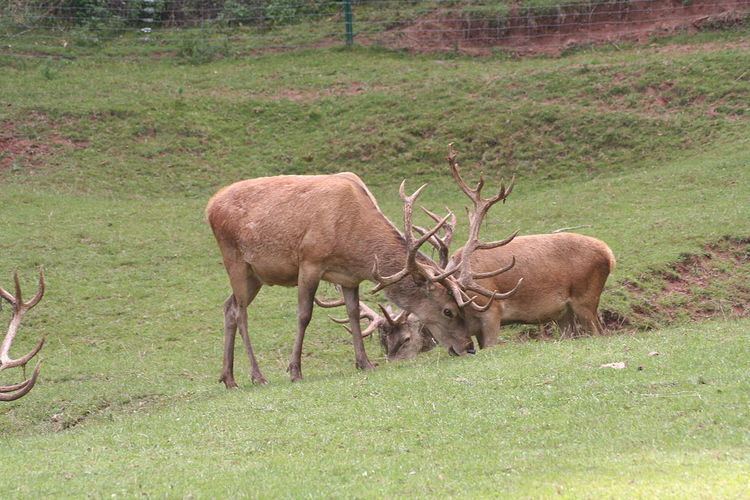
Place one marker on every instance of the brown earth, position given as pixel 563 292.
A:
pixel 20 150
pixel 569 26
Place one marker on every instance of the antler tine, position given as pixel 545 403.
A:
pixel 329 303
pixel 412 247
pixel 490 274
pixel 441 244
pixel 340 321
pixel 495 295
pixel 400 318
pixel 414 196
pixel 17 391
pixel 499 243
pixel 386 315
pixel 19 309
pixel 452 155
pixel 364 312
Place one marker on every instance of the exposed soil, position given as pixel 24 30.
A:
pixel 551 31
pixel 711 284
pixel 19 150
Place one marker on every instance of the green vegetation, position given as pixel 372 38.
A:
pixel 531 419
pixel 105 168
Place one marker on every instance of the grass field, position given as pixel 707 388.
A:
pixel 107 163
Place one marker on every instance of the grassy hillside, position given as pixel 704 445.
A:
pixel 106 166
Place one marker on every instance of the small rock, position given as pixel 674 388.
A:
pixel 653 353
pixel 617 366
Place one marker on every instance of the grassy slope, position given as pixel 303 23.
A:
pixel 525 419
pixel 132 313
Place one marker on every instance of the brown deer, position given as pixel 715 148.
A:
pixel 17 391
pixel 565 274
pixel 402 335
pixel 299 230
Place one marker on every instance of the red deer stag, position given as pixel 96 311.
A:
pixel 402 336
pixel 565 275
pixel 17 391
pixel 299 230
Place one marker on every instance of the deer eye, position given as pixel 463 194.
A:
pixel 448 313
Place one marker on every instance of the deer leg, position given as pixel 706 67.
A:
pixel 307 285
pixel 489 328
pixel 351 297
pixel 245 286
pixel 230 330
pixel 566 323
pixel 589 319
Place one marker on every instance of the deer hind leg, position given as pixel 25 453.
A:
pixel 245 286
pixel 567 323
pixel 230 330
pixel 588 318
pixel 351 297
pixel 307 285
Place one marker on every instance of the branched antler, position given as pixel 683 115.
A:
pixel 441 244
pixel 465 281
pixel 412 267
pixel 364 312
pixel 16 391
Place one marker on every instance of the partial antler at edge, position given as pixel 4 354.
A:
pixel 16 391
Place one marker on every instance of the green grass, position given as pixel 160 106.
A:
pixel 526 419
pixel 646 146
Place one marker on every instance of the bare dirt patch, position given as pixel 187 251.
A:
pixel 553 30
pixel 711 284
pixel 18 149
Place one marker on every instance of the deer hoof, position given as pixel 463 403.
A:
pixel 228 382
pixel 367 365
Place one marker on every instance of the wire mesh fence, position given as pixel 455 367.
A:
pixel 203 29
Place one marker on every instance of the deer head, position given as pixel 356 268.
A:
pixel 450 287
pixel 17 391
pixel 401 335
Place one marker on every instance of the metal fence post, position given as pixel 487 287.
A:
pixel 349 22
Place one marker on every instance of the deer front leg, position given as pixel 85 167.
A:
pixel 489 329
pixel 351 297
pixel 307 285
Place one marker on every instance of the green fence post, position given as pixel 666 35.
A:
pixel 349 22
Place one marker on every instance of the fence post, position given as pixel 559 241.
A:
pixel 349 22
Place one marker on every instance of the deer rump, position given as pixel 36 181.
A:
pixel 564 275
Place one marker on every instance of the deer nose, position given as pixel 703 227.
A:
pixel 452 351
pixel 471 349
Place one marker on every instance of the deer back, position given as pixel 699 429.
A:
pixel 279 223
pixel 555 267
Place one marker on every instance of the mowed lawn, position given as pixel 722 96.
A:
pixel 111 204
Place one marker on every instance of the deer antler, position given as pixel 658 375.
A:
pixel 398 320
pixel 465 281
pixel 364 312
pixel 16 391
pixel 441 244
pixel 412 267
